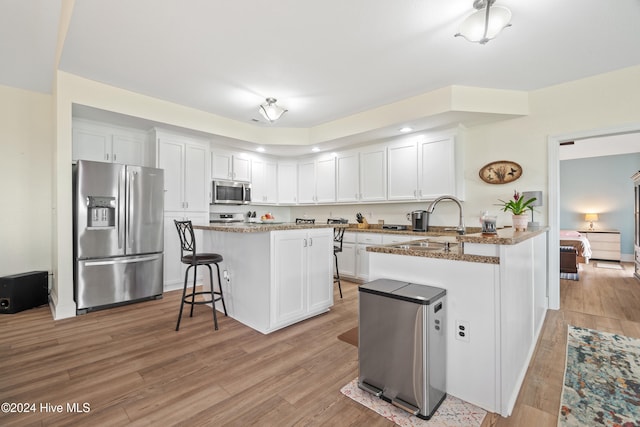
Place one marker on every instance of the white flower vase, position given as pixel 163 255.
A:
pixel 520 222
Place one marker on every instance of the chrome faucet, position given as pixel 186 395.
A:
pixel 460 229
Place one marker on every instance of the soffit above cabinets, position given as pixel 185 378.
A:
pixel 438 110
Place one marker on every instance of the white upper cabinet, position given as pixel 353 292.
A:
pixel 317 180
pixel 264 181
pixel 170 158
pixel 326 180
pixel 91 145
pixel 373 174
pixel 229 165
pixel 186 174
pixel 423 168
pixel 197 184
pixel 402 171
pixel 348 177
pixel 287 182
pixel 362 175
pixel 127 149
pixel 307 181
pixel 104 143
pixel 437 171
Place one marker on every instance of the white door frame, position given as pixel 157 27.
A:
pixel 553 142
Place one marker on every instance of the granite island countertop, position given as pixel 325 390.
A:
pixel 262 227
pixel 455 251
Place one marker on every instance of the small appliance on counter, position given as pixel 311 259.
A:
pixel 418 220
pixel 394 227
pixel 222 218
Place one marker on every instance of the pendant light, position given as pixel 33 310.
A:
pixel 271 111
pixel 485 23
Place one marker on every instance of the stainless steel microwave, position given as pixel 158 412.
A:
pixel 225 192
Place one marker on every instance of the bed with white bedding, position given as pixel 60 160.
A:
pixel 578 241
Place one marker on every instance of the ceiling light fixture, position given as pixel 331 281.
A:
pixel 485 23
pixel 315 149
pixel 406 129
pixel 271 111
pixel 260 149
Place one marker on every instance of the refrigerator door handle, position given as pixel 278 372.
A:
pixel 129 208
pixel 120 261
pixel 119 214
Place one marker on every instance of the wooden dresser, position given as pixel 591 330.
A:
pixel 605 244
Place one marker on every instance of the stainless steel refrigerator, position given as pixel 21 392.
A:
pixel 117 232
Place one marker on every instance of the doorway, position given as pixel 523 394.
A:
pixel 553 144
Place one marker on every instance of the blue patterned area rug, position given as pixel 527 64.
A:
pixel 601 380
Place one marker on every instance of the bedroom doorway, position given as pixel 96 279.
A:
pixel 554 142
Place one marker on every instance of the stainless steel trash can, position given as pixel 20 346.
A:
pixel 402 344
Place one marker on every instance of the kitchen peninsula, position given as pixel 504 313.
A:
pixel 273 274
pixel 497 299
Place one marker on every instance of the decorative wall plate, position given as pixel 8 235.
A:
pixel 500 172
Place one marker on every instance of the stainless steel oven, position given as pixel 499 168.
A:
pixel 230 192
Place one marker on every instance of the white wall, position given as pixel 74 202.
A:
pixel 26 141
pixel 603 101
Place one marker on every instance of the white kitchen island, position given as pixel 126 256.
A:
pixel 273 275
pixel 496 289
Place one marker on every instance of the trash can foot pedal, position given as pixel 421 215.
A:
pixel 369 388
pixel 405 406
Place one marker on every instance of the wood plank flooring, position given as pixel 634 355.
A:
pixel 132 368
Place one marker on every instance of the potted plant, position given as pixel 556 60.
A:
pixel 518 207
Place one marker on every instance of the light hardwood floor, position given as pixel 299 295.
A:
pixel 132 368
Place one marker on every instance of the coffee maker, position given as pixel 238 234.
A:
pixel 419 220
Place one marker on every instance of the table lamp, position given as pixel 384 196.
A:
pixel 526 195
pixel 591 218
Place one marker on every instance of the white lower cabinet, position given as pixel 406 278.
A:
pixel 362 262
pixel 302 268
pixel 174 269
pixel 347 260
pixel 353 261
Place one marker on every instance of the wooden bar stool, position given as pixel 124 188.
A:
pixel 189 256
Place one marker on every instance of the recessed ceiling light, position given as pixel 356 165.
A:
pixel 315 149
pixel 406 129
pixel 260 149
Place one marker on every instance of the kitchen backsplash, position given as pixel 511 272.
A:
pixel 445 214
